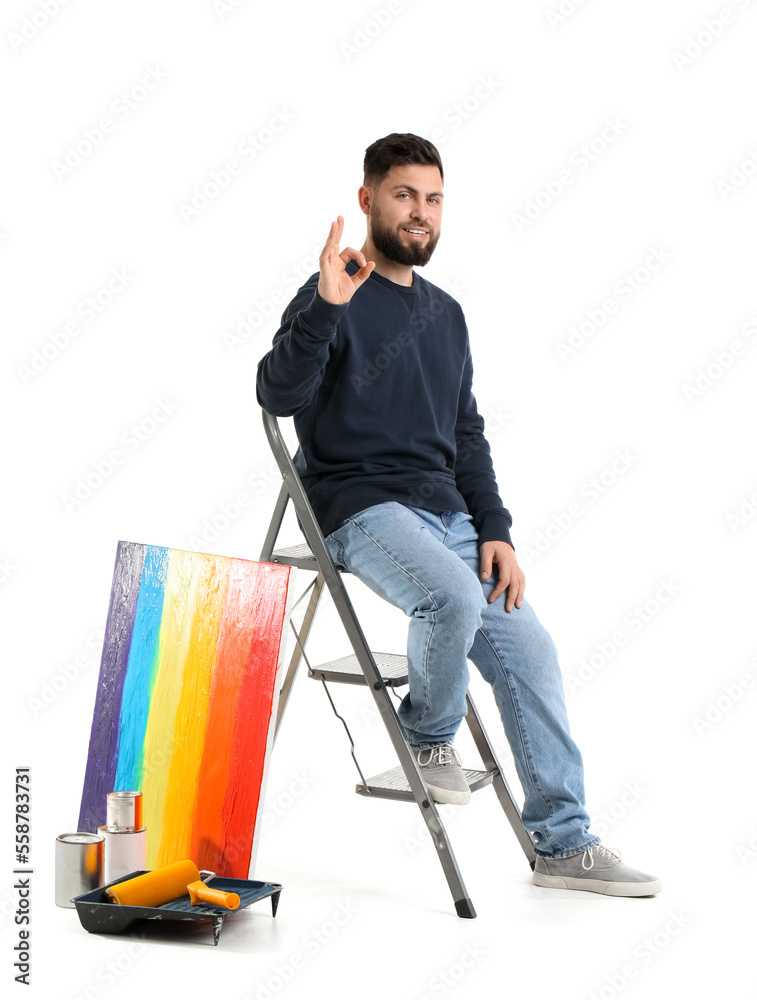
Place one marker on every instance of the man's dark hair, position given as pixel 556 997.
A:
pixel 397 149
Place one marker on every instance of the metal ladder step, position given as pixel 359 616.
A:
pixel 346 670
pixel 393 784
pixel 295 555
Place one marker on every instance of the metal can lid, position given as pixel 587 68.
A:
pixel 80 838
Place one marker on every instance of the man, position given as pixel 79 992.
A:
pixel 373 362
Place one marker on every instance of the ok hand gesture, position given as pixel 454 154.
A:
pixel 334 284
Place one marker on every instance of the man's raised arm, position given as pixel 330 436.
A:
pixel 291 372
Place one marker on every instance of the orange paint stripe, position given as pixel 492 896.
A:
pixel 234 642
pixel 208 592
pixel 253 722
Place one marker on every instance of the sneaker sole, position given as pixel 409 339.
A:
pixel 595 885
pixel 447 796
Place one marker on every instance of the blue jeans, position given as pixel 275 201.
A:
pixel 428 565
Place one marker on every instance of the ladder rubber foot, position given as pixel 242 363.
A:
pixel 464 908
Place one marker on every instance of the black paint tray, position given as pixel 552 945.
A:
pixel 99 916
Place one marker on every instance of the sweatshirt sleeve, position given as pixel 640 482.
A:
pixel 290 374
pixel 474 471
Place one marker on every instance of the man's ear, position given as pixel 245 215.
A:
pixel 365 196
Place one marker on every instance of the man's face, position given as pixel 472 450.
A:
pixel 408 198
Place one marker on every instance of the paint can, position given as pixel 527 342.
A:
pixel 78 865
pixel 125 837
pixel 125 853
pixel 124 812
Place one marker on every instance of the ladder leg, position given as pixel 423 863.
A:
pixel 502 788
pixel 463 903
pixel 273 528
pixel 294 662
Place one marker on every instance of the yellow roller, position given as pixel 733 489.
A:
pixel 165 884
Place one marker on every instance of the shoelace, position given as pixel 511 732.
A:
pixel 445 753
pixel 605 852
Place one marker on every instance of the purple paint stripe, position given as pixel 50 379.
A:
pixel 102 757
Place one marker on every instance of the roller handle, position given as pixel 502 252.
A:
pixel 201 893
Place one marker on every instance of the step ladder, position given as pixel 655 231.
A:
pixel 380 671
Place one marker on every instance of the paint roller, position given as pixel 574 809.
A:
pixel 165 884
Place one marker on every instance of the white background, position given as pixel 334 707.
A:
pixel 515 92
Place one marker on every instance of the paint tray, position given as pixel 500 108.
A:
pixel 99 916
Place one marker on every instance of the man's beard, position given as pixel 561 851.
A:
pixel 388 242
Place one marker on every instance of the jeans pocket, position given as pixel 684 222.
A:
pixel 336 549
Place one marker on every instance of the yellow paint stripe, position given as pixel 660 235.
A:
pixel 159 743
pixel 209 584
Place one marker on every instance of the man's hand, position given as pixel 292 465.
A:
pixel 334 284
pixel 510 575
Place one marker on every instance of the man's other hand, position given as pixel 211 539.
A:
pixel 510 576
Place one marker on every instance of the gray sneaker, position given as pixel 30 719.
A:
pixel 441 770
pixel 598 869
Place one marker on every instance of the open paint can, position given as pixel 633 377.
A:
pixel 78 865
pixel 124 812
pixel 125 837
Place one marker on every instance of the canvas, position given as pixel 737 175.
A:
pixel 186 699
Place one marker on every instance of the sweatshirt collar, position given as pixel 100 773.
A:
pixel 352 267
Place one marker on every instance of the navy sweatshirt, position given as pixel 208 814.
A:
pixel 380 391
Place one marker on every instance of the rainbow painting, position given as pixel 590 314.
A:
pixel 185 701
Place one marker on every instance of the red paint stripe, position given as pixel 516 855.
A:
pixel 253 720
pixel 232 655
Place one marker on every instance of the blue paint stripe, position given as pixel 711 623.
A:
pixel 139 680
